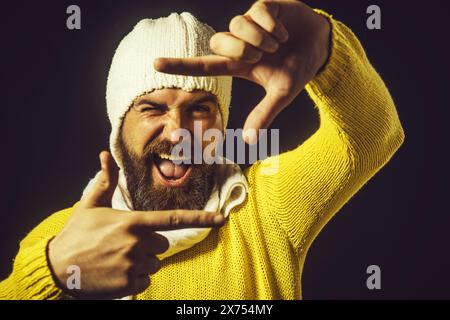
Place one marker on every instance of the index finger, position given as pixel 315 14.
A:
pixel 212 65
pixel 177 219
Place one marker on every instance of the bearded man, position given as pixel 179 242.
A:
pixel 148 227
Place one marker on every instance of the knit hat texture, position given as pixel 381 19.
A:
pixel 132 73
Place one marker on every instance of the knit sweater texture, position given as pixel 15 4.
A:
pixel 260 252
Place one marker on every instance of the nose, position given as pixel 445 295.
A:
pixel 173 127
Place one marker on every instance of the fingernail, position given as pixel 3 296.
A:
pixel 273 46
pixel 256 57
pixel 219 219
pixel 158 64
pixel 250 136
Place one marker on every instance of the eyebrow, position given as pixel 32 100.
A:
pixel 203 99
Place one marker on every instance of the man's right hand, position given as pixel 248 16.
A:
pixel 115 250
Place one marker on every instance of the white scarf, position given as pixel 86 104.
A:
pixel 230 190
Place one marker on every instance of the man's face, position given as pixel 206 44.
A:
pixel 149 132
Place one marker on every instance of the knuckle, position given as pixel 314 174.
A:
pixel 175 218
pixel 258 40
pixel 130 248
pixel 259 6
pixel 128 253
pixel 124 228
pixel 196 219
pixel 242 50
pixel 282 92
pixel 237 23
pixel 270 26
pixel 104 184
pixel 133 243
pixel 214 42
pixel 264 18
pixel 260 10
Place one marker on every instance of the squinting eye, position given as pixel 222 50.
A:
pixel 200 108
pixel 144 109
pixel 150 109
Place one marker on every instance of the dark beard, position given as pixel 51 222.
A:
pixel 147 196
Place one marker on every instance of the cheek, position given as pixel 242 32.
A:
pixel 211 140
pixel 138 133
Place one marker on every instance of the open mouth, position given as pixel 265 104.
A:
pixel 170 174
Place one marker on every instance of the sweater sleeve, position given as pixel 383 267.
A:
pixel 31 278
pixel 358 134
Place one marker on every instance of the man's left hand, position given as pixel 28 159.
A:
pixel 280 45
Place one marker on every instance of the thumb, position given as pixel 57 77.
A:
pixel 263 114
pixel 103 190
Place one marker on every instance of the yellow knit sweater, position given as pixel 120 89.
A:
pixel 259 253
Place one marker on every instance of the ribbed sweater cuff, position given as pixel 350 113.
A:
pixel 34 279
pixel 337 64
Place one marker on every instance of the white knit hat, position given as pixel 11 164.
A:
pixel 132 73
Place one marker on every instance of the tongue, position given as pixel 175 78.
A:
pixel 171 170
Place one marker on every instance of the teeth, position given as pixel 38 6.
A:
pixel 169 157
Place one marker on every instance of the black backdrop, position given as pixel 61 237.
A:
pixel 54 124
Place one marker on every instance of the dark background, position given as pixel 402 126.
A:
pixel 54 124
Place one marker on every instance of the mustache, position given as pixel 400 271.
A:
pixel 163 146
pixel 157 146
